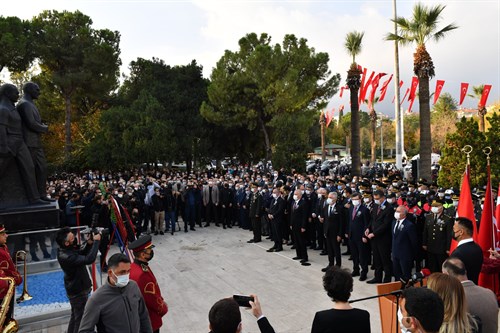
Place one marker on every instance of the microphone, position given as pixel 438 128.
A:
pixel 416 278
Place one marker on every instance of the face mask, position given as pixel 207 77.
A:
pixel 400 318
pixel 344 195
pixel 366 200
pixel 394 184
pixel 329 201
pixel 435 210
pixel 275 196
pixel 377 201
pixel 339 188
pixel 441 195
pixel 308 192
pixel 374 187
pixel 295 197
pixel 120 195
pixel 122 280
pixel 356 202
pixel 390 200
pixel 455 203
pixel 353 189
pixel 303 191
pixel 424 192
pixel 447 197
pixel 397 215
pixel 482 206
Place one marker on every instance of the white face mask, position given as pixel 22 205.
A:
pixel 435 210
pixel 455 203
pixel 329 201
pixel 397 215
pixel 121 280
pixel 390 200
pixel 308 192
pixel 275 196
pixel 377 201
pixel 356 202
pixel 366 200
pixel 295 197
pixel 400 318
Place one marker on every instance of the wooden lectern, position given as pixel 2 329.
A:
pixel 387 306
pixel 387 303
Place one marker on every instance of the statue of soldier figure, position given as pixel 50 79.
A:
pixel 12 143
pixel 33 128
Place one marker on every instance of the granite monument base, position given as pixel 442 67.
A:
pixel 34 217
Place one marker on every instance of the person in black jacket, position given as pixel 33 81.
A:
pixel 467 250
pixel 73 260
pixel 275 216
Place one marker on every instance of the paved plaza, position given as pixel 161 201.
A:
pixel 196 269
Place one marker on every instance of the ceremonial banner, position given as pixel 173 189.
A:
pixel 484 96
pixel 400 85
pixel 342 91
pixel 375 83
pixel 411 98
pixel 364 88
pixel 463 91
pixel 383 90
pixel 465 207
pixel 439 87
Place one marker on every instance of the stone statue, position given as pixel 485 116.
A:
pixel 32 131
pixel 12 146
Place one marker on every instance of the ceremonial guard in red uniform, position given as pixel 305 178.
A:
pixel 141 273
pixel 7 270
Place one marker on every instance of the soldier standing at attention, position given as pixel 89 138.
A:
pixel 437 236
pixel 141 273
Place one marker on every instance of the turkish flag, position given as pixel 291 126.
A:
pixel 406 94
pixel 363 78
pixel 400 85
pixel 364 89
pixel 484 96
pixel 486 238
pixel 383 90
pixel 465 207
pixel 375 83
pixel 342 91
pixel 329 116
pixel 463 91
pixel 439 87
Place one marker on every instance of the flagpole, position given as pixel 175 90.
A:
pixel 487 151
pixel 397 106
pixel 322 122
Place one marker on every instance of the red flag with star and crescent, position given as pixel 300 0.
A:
pixel 463 91
pixel 383 90
pixel 437 92
pixel 413 92
pixel 484 96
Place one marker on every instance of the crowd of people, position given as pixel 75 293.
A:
pixel 388 224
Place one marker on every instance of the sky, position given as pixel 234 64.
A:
pixel 180 31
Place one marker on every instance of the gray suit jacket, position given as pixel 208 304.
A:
pixel 32 123
pixel 482 302
pixel 206 194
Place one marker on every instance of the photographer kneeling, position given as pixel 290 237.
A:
pixel 73 260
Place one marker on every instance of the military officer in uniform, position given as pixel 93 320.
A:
pixel 141 273
pixel 7 270
pixel 437 236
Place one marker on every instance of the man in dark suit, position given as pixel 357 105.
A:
pixel 380 236
pixel 210 195
pixel 255 211
pixel 333 226
pixel 298 221
pixel 404 244
pixel 359 220
pixel 275 216
pixel 32 130
pixel 469 252
pixel 318 211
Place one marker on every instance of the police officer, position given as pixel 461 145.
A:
pixel 141 273
pixel 437 236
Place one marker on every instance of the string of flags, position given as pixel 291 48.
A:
pixel 373 80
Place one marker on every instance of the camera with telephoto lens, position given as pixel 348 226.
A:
pixel 95 231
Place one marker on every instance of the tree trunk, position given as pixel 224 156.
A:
pixel 425 128
pixel 373 142
pixel 481 112
pixel 266 141
pixel 67 126
pixel 355 137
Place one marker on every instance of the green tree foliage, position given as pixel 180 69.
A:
pixel 17 51
pixel 453 160
pixel 412 134
pixel 443 119
pixel 79 60
pixel 493 141
pixel 259 83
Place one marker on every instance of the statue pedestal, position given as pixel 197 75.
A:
pixel 33 217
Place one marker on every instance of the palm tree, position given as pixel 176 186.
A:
pixel 353 46
pixel 373 123
pixel 481 109
pixel 421 28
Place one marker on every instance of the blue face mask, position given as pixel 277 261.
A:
pixel 339 188
pixel 121 280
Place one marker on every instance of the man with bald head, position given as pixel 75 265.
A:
pixel 404 244
pixel 33 128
